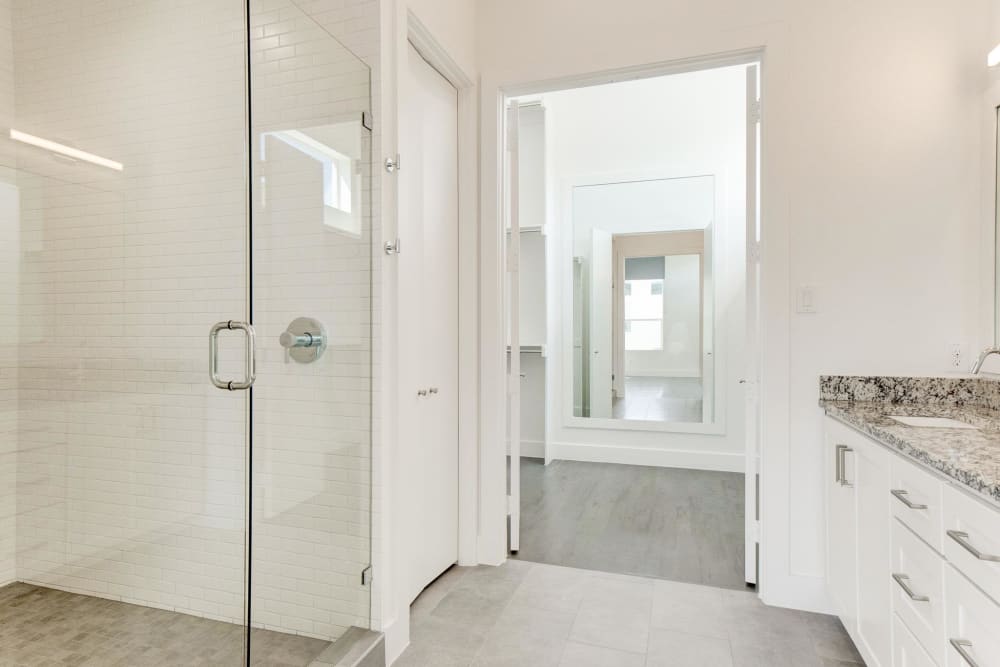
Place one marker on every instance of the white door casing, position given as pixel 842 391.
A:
pixel 513 308
pixel 428 321
pixel 751 380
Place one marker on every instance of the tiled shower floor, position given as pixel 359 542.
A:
pixel 43 626
pixel 548 616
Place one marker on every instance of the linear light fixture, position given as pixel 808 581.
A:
pixel 62 149
pixel 993 57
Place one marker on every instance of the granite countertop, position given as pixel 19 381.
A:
pixel 969 456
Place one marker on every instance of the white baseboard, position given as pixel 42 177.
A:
pixel 647 456
pixel 397 638
pixel 664 372
pixel 532 449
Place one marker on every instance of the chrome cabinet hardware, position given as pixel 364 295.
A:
pixel 901 494
pixel 963 540
pixel 963 646
pixel 305 339
pixel 249 370
pixel 392 247
pixel 841 466
pixel 902 580
pixel 392 164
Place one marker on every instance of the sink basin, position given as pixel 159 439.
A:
pixel 931 422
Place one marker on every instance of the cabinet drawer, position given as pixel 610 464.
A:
pixel 918 589
pixel 971 624
pixel 907 652
pixel 972 539
pixel 917 500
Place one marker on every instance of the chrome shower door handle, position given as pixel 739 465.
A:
pixel 250 369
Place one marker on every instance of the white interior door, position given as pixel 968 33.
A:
pixel 752 379
pixel 514 326
pixel 428 321
pixel 601 353
pixel 708 326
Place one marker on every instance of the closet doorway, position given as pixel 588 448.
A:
pixel 428 321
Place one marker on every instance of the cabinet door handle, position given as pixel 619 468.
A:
pixel 963 540
pixel 842 465
pixel 963 646
pixel 900 495
pixel 901 579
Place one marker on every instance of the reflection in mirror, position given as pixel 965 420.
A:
pixel 643 307
pixel 996 238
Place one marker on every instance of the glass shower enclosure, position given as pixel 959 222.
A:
pixel 185 333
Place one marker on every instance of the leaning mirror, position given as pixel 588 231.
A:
pixel 644 300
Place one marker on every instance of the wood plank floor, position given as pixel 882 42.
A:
pixel 682 525
pixel 43 626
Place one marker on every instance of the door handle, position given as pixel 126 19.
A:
pixel 250 369
pixel 841 474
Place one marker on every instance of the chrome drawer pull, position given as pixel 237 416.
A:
pixel 842 465
pixel 963 540
pixel 900 495
pixel 901 579
pixel 963 646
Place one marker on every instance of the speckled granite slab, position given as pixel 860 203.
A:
pixel 969 456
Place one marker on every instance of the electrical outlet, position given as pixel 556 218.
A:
pixel 957 354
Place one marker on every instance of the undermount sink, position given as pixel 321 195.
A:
pixel 931 422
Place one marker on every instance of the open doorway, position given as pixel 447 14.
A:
pixel 632 326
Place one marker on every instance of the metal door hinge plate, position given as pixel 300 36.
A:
pixel 366 576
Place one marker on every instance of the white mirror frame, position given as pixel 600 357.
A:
pixel 989 306
pixel 564 343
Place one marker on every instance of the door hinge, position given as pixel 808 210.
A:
pixel 753 250
pixel 392 164
pixel 755 111
pixel 366 120
pixel 366 576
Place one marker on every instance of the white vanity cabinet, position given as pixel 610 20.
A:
pixel 913 558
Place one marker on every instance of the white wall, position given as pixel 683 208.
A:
pixel 688 125
pixel 871 191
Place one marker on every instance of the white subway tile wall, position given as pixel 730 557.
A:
pixel 130 465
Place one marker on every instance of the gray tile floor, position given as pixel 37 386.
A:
pixel 683 525
pixel 42 626
pixel 660 399
pixel 523 614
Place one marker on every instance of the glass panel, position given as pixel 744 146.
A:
pixel 311 405
pixel 123 222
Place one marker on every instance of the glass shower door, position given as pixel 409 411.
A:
pixel 310 436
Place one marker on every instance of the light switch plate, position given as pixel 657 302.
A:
pixel 805 301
